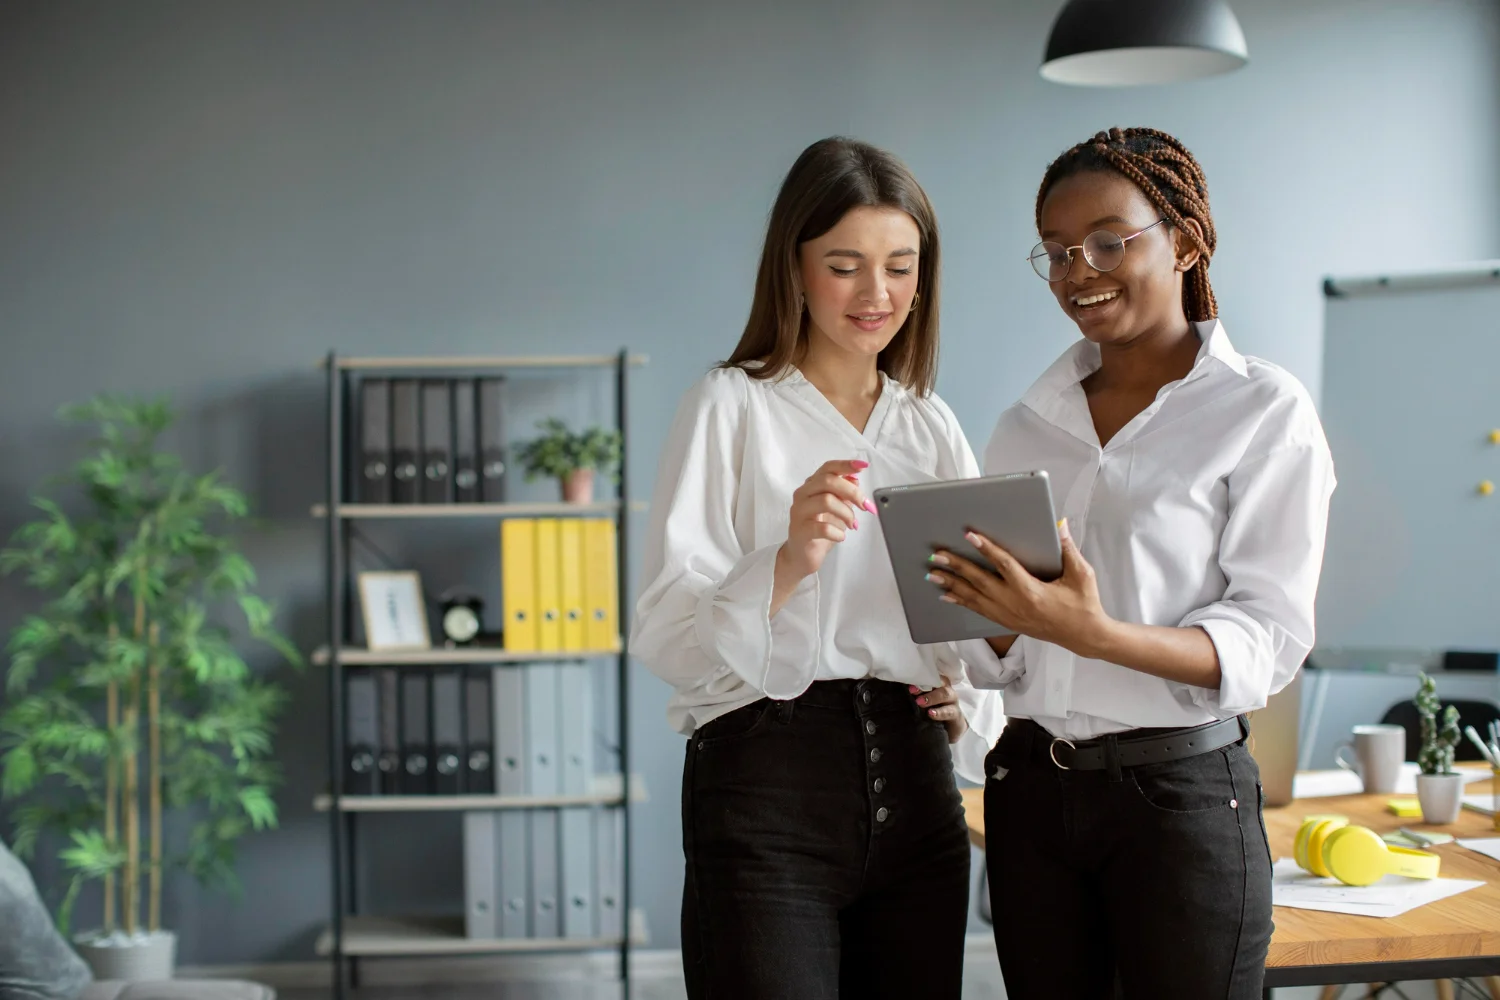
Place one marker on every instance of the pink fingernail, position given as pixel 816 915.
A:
pixel 932 712
pixel 860 463
pixel 922 700
pixel 912 688
pixel 948 599
pixel 867 505
pixel 972 537
pixel 855 524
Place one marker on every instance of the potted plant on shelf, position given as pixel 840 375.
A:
pixel 125 694
pixel 571 459
pixel 1440 789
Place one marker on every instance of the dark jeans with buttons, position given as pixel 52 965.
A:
pixel 1151 883
pixel 827 854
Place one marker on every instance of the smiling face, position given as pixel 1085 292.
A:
pixel 1144 293
pixel 859 280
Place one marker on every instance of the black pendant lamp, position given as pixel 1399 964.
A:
pixel 1117 43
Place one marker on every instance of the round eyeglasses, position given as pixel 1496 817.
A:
pixel 1102 249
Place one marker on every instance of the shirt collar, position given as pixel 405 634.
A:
pixel 1082 360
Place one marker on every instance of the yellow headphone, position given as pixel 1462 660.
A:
pixel 1329 846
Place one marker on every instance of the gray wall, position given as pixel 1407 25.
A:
pixel 200 199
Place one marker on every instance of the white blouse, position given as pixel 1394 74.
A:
pixel 1208 509
pixel 737 450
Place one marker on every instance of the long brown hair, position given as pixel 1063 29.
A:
pixel 1167 173
pixel 831 177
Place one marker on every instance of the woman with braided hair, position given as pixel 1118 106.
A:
pixel 1123 810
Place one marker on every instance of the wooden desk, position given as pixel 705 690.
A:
pixel 1454 938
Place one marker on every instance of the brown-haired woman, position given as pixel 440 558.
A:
pixel 824 838
pixel 1122 803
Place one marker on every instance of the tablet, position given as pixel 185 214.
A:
pixel 1014 511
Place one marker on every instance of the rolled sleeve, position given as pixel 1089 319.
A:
pixel 1271 553
pixel 986 668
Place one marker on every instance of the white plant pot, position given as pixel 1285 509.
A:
pixel 1441 796
pixel 129 958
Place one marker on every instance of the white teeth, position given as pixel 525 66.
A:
pixel 1088 300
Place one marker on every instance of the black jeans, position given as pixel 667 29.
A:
pixel 827 854
pixel 1153 886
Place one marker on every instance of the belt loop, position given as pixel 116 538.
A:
pixel 1112 757
pixel 784 710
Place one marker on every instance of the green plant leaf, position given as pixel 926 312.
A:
pixel 91 855
pixel 259 807
pixel 20 772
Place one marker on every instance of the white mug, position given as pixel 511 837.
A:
pixel 1378 754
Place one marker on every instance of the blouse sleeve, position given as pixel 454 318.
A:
pixel 703 619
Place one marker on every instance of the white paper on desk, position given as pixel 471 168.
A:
pixel 1325 784
pixel 1484 845
pixel 1483 803
pixel 1390 897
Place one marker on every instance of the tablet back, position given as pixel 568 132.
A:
pixel 1015 511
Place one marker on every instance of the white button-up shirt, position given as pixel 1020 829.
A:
pixel 1208 509
pixel 737 450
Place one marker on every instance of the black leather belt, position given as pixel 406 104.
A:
pixel 1092 755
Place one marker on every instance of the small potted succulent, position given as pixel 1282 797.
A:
pixel 1440 789
pixel 571 459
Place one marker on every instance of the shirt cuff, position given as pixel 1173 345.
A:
pixel 986 668
pixel 1245 664
pixel 775 656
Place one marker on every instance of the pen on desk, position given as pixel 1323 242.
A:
pixel 1484 749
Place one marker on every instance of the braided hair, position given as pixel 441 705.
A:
pixel 1167 173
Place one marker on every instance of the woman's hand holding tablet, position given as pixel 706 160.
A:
pixel 1064 611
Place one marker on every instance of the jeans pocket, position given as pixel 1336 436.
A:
pixel 731 727
pixel 1191 785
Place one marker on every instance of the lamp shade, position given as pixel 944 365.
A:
pixel 1115 43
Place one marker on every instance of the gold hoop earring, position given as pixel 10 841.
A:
pixel 916 300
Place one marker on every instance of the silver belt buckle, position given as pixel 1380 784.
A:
pixel 1052 751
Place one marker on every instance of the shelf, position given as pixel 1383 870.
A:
pixel 438 657
pixel 606 793
pixel 519 361
pixel 393 936
pixel 492 510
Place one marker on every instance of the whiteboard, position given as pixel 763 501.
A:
pixel 1411 393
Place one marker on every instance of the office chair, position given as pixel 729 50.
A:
pixel 1478 714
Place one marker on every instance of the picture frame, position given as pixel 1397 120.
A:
pixel 394 610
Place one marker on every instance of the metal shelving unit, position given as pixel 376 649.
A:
pixel 351 936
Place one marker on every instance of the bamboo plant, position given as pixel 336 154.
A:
pixel 126 694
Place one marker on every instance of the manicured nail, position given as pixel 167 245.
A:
pixel 932 712
pixel 1062 529
pixel 922 700
pixel 973 538
pixel 938 559
pixel 933 578
pixel 948 599
pixel 855 524
pixel 853 479
pixel 912 688
pixel 860 463
pixel 867 505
